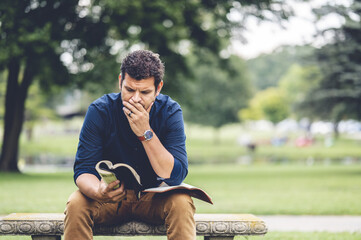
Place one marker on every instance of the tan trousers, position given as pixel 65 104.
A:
pixel 175 209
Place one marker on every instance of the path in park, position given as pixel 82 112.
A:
pixel 313 223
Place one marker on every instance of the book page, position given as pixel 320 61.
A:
pixel 191 190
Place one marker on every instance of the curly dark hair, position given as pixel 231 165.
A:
pixel 143 64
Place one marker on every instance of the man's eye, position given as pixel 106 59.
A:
pixel 145 92
pixel 130 90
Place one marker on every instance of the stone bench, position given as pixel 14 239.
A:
pixel 50 226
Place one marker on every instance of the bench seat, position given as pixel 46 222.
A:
pixel 50 226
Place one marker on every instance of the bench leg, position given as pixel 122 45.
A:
pixel 218 238
pixel 50 237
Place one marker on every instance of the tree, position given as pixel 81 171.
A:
pixel 337 96
pixel 63 42
pixel 2 94
pixel 216 94
pixel 30 36
pixel 296 84
pixel 268 104
pixel 37 108
pixel 267 69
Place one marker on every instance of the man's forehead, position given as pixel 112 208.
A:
pixel 143 83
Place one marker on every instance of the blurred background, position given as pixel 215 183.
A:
pixel 270 91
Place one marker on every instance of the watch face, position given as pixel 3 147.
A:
pixel 148 135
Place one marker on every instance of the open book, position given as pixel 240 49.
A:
pixel 191 190
pixel 125 173
pixel 121 171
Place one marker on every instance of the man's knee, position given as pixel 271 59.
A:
pixel 180 203
pixel 179 210
pixel 78 203
pixel 78 221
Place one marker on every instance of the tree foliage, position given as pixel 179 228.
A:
pixel 338 94
pixel 63 42
pixel 267 69
pixel 268 104
pixel 216 95
pixel 296 84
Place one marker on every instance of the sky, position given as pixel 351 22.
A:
pixel 299 30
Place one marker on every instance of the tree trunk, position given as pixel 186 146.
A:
pixel 217 137
pixel 336 133
pixel 29 133
pixel 16 93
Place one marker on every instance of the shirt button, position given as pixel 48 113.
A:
pixel 135 149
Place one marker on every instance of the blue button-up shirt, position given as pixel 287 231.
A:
pixel 106 135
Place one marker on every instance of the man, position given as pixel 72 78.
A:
pixel 143 128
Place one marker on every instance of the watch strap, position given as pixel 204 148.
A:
pixel 146 136
pixel 141 138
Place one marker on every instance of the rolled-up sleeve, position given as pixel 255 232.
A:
pixel 175 144
pixel 90 149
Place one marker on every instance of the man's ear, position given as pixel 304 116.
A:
pixel 159 88
pixel 120 81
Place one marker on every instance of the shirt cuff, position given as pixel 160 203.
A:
pixel 177 176
pixel 90 171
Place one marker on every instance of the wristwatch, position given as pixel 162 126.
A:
pixel 146 136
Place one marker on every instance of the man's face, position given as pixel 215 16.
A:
pixel 140 91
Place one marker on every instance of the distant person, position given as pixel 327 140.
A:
pixel 143 128
pixel 247 141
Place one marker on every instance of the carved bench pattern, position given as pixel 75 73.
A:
pixel 212 226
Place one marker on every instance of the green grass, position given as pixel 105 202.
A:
pixel 35 192
pixel 202 148
pixel 201 145
pixel 287 187
pixel 228 150
pixel 61 145
pixel 275 189
pixel 305 236
pixel 297 189
pixel 207 151
pixel 268 236
pixel 341 149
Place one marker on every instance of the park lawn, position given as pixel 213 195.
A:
pixel 342 149
pixel 206 151
pixel 35 192
pixel 282 189
pixel 272 189
pixel 205 144
pixel 268 236
pixel 261 189
pixel 305 236
pixel 203 148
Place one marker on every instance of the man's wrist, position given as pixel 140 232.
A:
pixel 147 135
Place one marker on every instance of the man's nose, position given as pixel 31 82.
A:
pixel 136 97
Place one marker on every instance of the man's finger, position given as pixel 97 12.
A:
pixel 120 197
pixel 127 112
pixel 121 186
pixel 130 106
pixel 113 185
pixel 120 193
pixel 137 105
